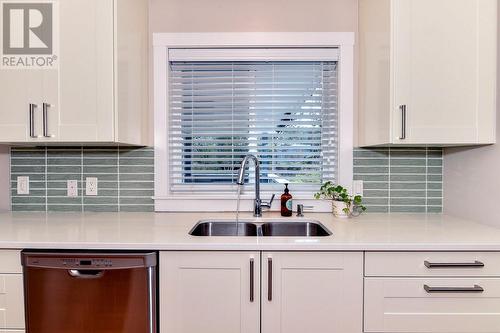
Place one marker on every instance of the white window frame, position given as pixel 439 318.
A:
pixel 164 199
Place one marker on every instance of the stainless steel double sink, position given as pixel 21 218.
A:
pixel 264 228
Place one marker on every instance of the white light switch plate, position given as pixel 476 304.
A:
pixel 91 186
pixel 23 185
pixel 72 188
pixel 357 187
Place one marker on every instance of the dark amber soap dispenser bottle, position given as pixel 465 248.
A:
pixel 286 202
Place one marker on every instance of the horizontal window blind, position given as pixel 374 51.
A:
pixel 283 112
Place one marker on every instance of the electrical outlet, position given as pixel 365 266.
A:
pixel 72 188
pixel 91 186
pixel 23 185
pixel 357 187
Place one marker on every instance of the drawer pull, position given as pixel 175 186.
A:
pixel 475 264
pixel 475 289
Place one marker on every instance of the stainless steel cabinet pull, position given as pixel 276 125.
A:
pixel 45 117
pixel 32 120
pixel 475 264
pixel 403 122
pixel 251 279
pixel 475 289
pixel 269 279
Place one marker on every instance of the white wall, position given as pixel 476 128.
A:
pixel 4 178
pixel 252 15
pixel 472 179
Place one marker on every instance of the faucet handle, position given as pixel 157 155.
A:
pixel 268 204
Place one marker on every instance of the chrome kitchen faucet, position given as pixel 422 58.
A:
pixel 258 203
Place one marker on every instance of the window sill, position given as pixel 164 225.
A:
pixel 227 203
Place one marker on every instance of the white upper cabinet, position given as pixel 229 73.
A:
pixel 427 72
pixel 20 92
pixel 84 86
pixel 97 90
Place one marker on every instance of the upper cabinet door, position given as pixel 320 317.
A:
pixel 81 96
pixel 312 292
pixel 209 292
pixel 444 56
pixel 81 74
pixel 428 71
pixel 20 109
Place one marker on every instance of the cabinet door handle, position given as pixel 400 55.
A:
pixel 475 264
pixel 403 122
pixel 475 289
pixel 269 279
pixel 252 273
pixel 45 118
pixel 32 120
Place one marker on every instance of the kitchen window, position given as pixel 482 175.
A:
pixel 215 105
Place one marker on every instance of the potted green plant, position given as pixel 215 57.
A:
pixel 343 204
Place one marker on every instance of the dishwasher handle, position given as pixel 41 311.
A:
pixel 86 273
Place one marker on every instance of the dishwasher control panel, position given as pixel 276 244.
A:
pixel 87 262
pixel 91 261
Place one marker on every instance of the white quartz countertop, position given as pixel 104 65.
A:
pixel 169 231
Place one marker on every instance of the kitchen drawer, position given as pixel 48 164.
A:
pixel 11 301
pixel 10 261
pixel 402 305
pixel 453 264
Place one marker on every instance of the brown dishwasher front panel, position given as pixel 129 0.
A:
pixel 89 293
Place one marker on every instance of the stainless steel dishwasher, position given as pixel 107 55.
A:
pixel 90 292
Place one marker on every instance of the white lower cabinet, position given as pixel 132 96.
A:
pixel 312 292
pixel 432 292
pixel 11 293
pixel 11 301
pixel 216 292
pixel 437 305
pixel 209 292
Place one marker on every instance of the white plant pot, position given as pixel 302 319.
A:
pixel 338 209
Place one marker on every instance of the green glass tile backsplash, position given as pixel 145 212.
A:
pixel 406 180
pixel 395 179
pixel 125 178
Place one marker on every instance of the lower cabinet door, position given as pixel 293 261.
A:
pixel 312 292
pixel 209 292
pixel 432 305
pixel 11 302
